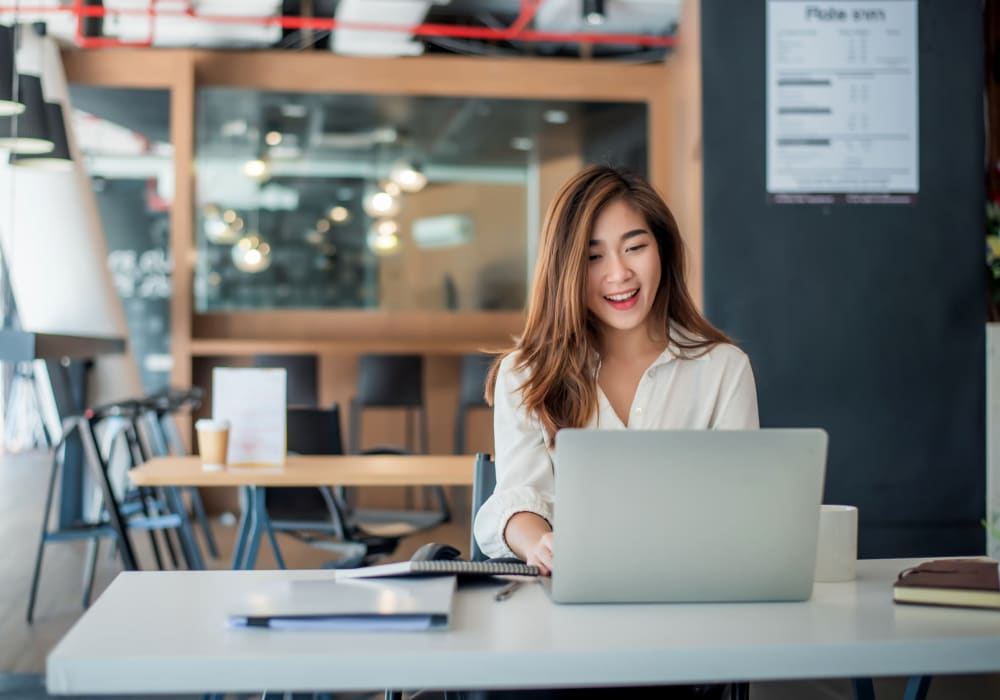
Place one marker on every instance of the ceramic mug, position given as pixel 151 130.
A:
pixel 837 544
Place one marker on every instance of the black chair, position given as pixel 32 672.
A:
pixel 471 393
pixel 301 371
pixel 315 515
pixel 397 382
pixel 484 481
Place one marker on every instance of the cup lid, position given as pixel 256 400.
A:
pixel 212 424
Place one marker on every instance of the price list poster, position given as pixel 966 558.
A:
pixel 842 116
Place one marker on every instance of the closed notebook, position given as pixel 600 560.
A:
pixel 973 583
pixel 437 568
pixel 361 604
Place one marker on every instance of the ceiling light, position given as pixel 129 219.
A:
pixel 391 187
pixel 294 111
pixel 555 116
pixel 593 11
pixel 522 143
pixel 26 132
pixel 323 225
pixel 314 237
pixel 256 169
pixel 216 229
pixel 383 237
pixel 251 254
pixel 340 214
pixel 272 138
pixel 408 176
pixel 229 216
pixel 234 128
pixel 378 203
pixel 8 104
pixel 59 158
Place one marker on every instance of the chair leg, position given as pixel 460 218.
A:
pixel 90 571
pixel 96 462
pixel 37 573
pixel 916 688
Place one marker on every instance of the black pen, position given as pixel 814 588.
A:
pixel 507 591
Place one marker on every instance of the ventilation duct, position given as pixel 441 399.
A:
pixel 375 42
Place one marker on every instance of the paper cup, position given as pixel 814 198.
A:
pixel 213 443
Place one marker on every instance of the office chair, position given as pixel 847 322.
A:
pixel 301 372
pixel 395 381
pixel 471 393
pixel 315 515
pixel 484 480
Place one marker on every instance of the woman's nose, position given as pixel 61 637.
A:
pixel 617 269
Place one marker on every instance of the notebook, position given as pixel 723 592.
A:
pixel 972 583
pixel 359 604
pixel 686 516
pixel 438 568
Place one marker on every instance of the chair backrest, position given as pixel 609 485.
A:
pixel 390 381
pixel 315 431
pixel 470 394
pixel 484 480
pixel 301 371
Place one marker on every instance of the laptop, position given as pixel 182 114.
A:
pixel 646 516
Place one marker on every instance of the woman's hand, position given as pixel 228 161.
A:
pixel 530 537
pixel 541 554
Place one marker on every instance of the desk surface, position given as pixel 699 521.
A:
pixel 125 645
pixel 324 470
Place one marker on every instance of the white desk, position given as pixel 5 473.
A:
pixel 163 632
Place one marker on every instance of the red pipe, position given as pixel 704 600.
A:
pixel 515 31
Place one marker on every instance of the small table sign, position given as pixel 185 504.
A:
pixel 253 401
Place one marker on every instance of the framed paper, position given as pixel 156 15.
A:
pixel 842 102
pixel 254 403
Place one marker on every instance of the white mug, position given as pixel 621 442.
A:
pixel 837 544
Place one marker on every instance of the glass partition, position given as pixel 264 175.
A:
pixel 345 201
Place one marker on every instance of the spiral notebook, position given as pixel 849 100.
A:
pixel 441 568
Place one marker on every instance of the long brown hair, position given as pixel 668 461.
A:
pixel 561 338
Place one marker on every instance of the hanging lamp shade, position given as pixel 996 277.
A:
pixel 8 104
pixel 26 132
pixel 59 158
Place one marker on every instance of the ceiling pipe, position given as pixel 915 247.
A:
pixel 515 32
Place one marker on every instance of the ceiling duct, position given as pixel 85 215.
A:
pixel 365 39
pixel 651 17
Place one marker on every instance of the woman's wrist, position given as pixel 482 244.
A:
pixel 523 531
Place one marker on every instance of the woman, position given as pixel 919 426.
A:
pixel 613 340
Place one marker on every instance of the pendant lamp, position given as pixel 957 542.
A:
pixel 26 132
pixel 59 158
pixel 8 104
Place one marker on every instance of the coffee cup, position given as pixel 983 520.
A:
pixel 837 544
pixel 213 442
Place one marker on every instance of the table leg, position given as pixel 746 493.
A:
pixel 916 688
pixel 265 521
pixel 188 545
pixel 243 530
pixel 253 535
pixel 864 688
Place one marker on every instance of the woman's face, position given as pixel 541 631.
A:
pixel 624 269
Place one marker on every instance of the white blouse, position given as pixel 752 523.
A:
pixel 713 391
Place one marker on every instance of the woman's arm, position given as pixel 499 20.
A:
pixel 530 536
pixel 525 479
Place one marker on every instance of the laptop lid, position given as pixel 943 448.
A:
pixel 686 516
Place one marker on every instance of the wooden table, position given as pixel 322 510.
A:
pixel 302 470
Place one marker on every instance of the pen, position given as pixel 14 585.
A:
pixel 507 591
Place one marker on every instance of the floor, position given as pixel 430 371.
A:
pixel 23 647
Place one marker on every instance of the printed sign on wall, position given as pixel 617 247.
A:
pixel 842 107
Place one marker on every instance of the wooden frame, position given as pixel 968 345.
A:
pixel 182 71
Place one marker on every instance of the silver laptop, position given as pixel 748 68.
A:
pixel 686 516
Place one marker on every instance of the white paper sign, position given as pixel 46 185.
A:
pixel 842 108
pixel 253 401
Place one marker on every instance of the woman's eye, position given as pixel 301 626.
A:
pixel 636 247
pixel 594 257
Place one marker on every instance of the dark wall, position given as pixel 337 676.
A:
pixel 866 320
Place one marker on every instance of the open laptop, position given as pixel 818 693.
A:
pixel 686 516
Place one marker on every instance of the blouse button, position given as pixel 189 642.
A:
pixel 652 373
pixel 638 410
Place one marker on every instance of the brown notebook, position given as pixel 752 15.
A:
pixel 971 583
